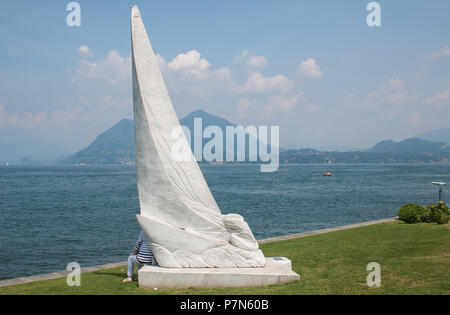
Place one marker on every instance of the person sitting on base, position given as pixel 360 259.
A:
pixel 141 255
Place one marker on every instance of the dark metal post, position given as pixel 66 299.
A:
pixel 440 184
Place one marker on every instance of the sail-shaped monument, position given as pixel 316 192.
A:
pixel 178 213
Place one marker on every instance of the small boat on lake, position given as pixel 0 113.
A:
pixel 327 174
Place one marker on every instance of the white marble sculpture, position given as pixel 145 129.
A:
pixel 178 212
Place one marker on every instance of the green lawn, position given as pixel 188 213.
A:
pixel 414 259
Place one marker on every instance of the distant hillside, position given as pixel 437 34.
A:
pixel 213 120
pixel 116 145
pixel 207 120
pixel 438 135
pixel 407 151
pixel 412 145
pixel 308 156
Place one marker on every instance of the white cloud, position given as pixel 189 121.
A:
pixel 84 51
pixel 391 104
pixel 222 73
pixel 443 52
pixel 264 107
pixel 161 61
pixel 351 98
pixel 241 57
pixel 5 118
pixel 200 83
pixel 103 86
pixel 258 83
pixel 113 69
pixel 283 103
pixel 243 106
pixel 117 101
pixel 191 65
pixel 256 62
pixel 394 93
pixel 312 108
pixel 310 69
pixel 396 83
pixel 249 61
pixel 440 100
pixel 415 118
pixel 41 120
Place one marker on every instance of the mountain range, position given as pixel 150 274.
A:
pixel 412 145
pixel 116 146
pixel 438 135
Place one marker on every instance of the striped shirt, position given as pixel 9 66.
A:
pixel 144 253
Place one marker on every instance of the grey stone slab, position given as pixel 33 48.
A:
pixel 276 271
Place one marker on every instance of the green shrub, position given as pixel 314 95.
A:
pixel 411 213
pixel 444 207
pixel 426 215
pixel 438 213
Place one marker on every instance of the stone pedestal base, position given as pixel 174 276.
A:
pixel 278 270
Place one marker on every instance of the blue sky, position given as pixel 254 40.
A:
pixel 315 68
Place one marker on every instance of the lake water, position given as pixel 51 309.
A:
pixel 53 215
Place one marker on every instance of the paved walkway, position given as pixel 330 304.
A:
pixel 61 274
pixel 58 274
